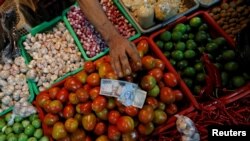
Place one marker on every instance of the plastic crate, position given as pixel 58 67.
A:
pixel 43 27
pixel 79 44
pixel 210 3
pixel 191 4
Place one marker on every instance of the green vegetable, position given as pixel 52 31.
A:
pixel 17 128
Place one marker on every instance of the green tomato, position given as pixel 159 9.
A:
pixel 25 123
pixel 29 130
pixel 38 133
pixel 36 123
pixel 8 130
pixel 3 137
pixel 32 139
pixel 12 138
pixel 17 128
pixel 22 137
pixel 2 124
pixel 18 118
pixel 33 117
pixel 44 138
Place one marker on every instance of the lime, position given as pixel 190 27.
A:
pixel 165 36
pixel 12 138
pixel 177 55
pixel 22 137
pixel 197 89
pixel 228 55
pixel 200 77
pixel 32 139
pixel 10 135
pixel 44 138
pixel 211 47
pixel 176 35
pixel 168 46
pixel 159 43
pixel 188 81
pixel 190 44
pixel 189 54
pixel 8 130
pixel 198 66
pixel 17 128
pixel 29 130
pixel 36 123
pixel 25 123
pixel 201 36
pixel 182 64
pixel 204 27
pixel 231 66
pixel 167 54
pixel 180 27
pixel 191 36
pixel 238 81
pixel 3 137
pixel 18 119
pixel 189 72
pixel 38 133
pixel 7 117
pixel 184 36
pixel 172 62
pixel 33 117
pixel 195 22
pixel 220 41
pixel 180 46
pixel 2 124
pixel 224 78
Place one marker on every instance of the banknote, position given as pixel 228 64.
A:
pixel 139 98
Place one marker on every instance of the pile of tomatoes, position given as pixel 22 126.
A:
pixel 74 109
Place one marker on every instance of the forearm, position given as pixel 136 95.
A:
pixel 98 19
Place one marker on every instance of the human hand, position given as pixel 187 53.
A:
pixel 120 51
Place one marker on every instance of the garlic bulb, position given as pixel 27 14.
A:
pixel 6 100
pixel 4 74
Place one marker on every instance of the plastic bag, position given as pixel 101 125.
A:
pixel 165 9
pixel 145 15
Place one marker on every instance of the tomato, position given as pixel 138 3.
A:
pixel 102 138
pixel 103 115
pixel 58 131
pixel 78 117
pixel 134 67
pixel 111 103
pixel 68 111
pixel 63 95
pixel 143 46
pixel 50 119
pixel 72 84
pixel 46 106
pixel 146 129
pixel 104 68
pixel 84 108
pixel 170 79
pixel 178 95
pixel 89 122
pixel 152 102
pixel 65 139
pixel 89 67
pixel 41 98
pixel 55 106
pixel 132 136
pixel 78 135
pixel 111 75
pixel 156 73
pixel 159 64
pixel 146 114
pixel 148 62
pixel 99 103
pixel 121 109
pixel 154 92
pixel 131 111
pixel 161 84
pixel 88 138
pixel 94 92
pixel 161 106
pixel 86 87
pixel 148 82
pixel 81 76
pixel 73 98
pixel 125 124
pixel 166 95
pixel 171 109
pixel 113 133
pixel 53 91
pixel 82 95
pixel 100 128
pixel 71 125
pixel 93 79
pixel 113 116
pixel 160 117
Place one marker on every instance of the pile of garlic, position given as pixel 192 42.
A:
pixel 54 54
pixel 13 85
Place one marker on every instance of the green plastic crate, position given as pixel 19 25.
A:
pixel 79 44
pixel 43 27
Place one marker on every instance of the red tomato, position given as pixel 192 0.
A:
pixel 81 76
pixel 148 82
pixel 82 95
pixel 93 79
pixel 111 103
pixel 53 91
pixel 100 128
pixel 161 84
pixel 159 64
pixel 102 138
pixel 94 92
pixel 84 108
pixel 156 73
pixel 111 75
pixel 146 114
pixel 113 116
pixel 68 111
pixel 125 124
pixel 50 119
pixel 46 106
pixel 65 139
pixel 131 111
pixel 171 109
pixel 78 117
pixel 148 62
pixel 78 135
pixel 86 87
pixel 152 102
pixel 132 136
pixel 55 106
pixel 89 67
pixel 103 115
pixel 73 98
pixel 89 122
pixel 88 138
pixel 42 98
pixel 59 131
pixel 167 96
pixel 72 84
pixel 104 68
pixel 178 95
pixel 146 129
pixel 63 95
pixel 99 103
pixel 71 125
pixel 143 46
pixel 113 133
pixel 170 79
pixel 160 116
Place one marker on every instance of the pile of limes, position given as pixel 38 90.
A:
pixel 23 129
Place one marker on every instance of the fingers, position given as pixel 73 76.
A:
pixel 125 64
pixel 133 53
pixel 115 63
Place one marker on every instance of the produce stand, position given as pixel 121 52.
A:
pixel 190 67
